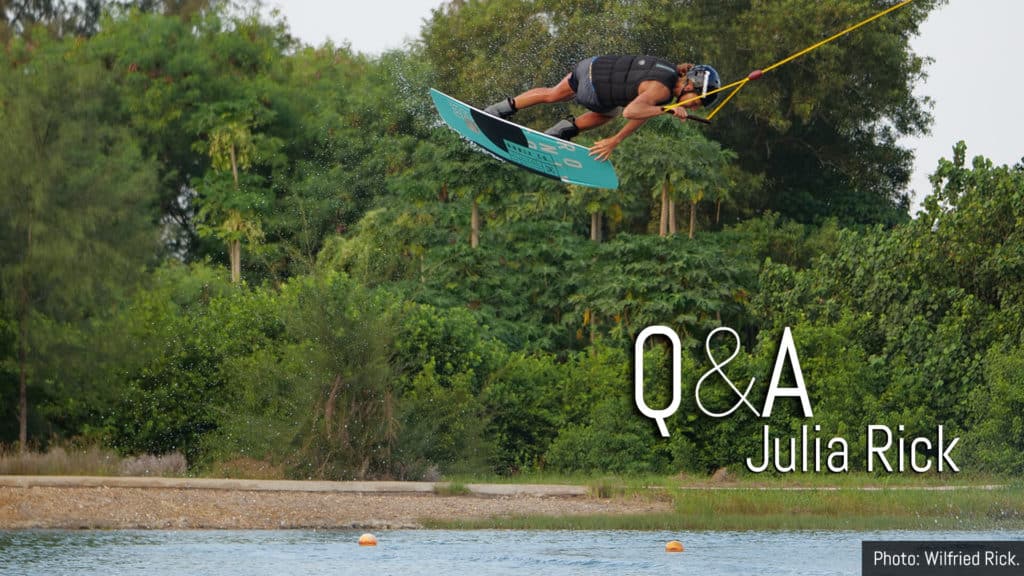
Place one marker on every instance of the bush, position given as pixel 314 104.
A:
pixel 995 442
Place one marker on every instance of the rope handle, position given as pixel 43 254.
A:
pixel 668 110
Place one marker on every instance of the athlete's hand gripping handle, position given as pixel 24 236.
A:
pixel 682 114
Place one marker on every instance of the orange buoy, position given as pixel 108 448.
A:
pixel 367 540
pixel 674 546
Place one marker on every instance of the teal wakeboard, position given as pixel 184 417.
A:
pixel 537 152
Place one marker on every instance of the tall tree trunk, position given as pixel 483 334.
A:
pixel 332 398
pixel 23 353
pixel 663 228
pixel 474 224
pixel 693 218
pixel 236 261
pixel 673 228
pixel 235 246
pixel 718 211
pixel 23 384
pixel 595 227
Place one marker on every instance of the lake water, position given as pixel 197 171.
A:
pixel 442 552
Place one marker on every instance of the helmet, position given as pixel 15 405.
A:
pixel 705 79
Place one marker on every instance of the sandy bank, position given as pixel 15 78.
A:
pixel 190 503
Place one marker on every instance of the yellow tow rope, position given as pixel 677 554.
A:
pixel 756 74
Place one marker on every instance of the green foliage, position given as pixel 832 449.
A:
pixel 449 344
pixel 522 419
pixel 8 380
pixel 175 389
pixel 413 308
pixel 586 378
pixel 303 123
pixel 445 357
pixel 783 241
pixel 443 427
pixel 804 124
pixel 997 414
pixel 76 188
pixel 344 335
pixel 638 281
pixel 677 163
pixel 922 306
pixel 617 441
pixel 340 394
pixel 382 248
pixel 517 287
pixel 603 431
pixel 76 227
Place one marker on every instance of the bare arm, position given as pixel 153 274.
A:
pixel 645 105
pixel 602 149
pixel 642 108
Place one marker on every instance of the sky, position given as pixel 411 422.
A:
pixel 973 82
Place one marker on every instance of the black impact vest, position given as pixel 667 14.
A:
pixel 617 78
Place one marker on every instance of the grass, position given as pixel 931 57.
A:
pixel 852 508
pixel 451 489
pixel 807 502
pixel 88 461
pixel 783 509
pixel 743 478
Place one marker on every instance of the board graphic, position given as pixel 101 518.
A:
pixel 542 154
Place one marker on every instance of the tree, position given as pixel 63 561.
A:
pixel 82 17
pixel 997 431
pixel 76 226
pixel 445 358
pixel 445 167
pixel 932 304
pixel 230 208
pixel 222 89
pixel 639 280
pixel 186 9
pixel 159 91
pixel 341 144
pixel 977 221
pixel 346 336
pixel 186 333
pixel 59 17
pixel 678 163
pixel 523 421
pixel 823 129
pixel 596 203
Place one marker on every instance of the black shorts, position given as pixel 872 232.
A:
pixel 581 82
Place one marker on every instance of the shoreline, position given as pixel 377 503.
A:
pixel 354 486
pixel 61 502
pixel 161 503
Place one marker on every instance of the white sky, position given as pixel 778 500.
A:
pixel 974 80
pixel 371 26
pixel 976 45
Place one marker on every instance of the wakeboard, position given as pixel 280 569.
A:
pixel 535 151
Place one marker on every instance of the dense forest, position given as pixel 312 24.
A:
pixel 219 241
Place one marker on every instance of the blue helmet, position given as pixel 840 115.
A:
pixel 705 79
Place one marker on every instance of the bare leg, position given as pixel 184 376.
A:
pixel 558 93
pixel 589 120
pixel 568 129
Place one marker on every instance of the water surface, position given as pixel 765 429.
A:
pixel 442 552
